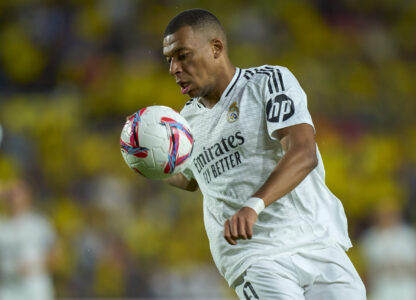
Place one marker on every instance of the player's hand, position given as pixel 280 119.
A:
pixel 240 225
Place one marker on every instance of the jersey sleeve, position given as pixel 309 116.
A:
pixel 285 101
pixel 188 174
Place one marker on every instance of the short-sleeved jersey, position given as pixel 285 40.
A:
pixel 25 240
pixel 390 254
pixel 234 153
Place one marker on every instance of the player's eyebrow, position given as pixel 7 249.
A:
pixel 174 51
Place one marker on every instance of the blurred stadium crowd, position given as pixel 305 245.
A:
pixel 71 70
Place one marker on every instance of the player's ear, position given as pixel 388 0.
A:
pixel 217 47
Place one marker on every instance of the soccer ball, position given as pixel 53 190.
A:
pixel 156 142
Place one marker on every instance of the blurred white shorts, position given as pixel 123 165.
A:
pixel 323 274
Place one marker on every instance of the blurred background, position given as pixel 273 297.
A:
pixel 72 70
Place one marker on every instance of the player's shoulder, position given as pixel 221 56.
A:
pixel 272 76
pixel 263 71
pixel 37 219
pixel 408 232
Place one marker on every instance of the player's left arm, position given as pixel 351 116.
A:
pixel 298 142
pixel 181 182
pixel 287 119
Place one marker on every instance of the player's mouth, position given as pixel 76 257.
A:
pixel 185 87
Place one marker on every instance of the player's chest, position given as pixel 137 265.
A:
pixel 224 138
pixel 17 235
pixel 228 126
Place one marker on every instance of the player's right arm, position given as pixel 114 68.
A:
pixel 180 181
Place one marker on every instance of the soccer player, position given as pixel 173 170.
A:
pixel 275 229
pixel 389 248
pixel 27 247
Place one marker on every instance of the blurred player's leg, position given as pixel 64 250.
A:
pixel 270 279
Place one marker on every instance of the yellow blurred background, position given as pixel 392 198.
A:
pixel 70 71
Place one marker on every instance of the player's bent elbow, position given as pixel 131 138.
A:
pixel 179 181
pixel 311 159
pixel 192 186
pixel 314 162
pixel 307 158
pixel 193 189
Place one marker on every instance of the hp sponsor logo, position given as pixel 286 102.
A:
pixel 279 109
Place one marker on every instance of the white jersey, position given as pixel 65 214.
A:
pixel 390 254
pixel 235 152
pixel 25 241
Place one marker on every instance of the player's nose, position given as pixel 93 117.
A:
pixel 175 67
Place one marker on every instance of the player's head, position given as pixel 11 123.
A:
pixel 195 47
pixel 387 212
pixel 17 197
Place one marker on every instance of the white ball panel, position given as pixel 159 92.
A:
pixel 155 137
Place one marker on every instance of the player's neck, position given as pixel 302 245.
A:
pixel 223 81
pixel 15 213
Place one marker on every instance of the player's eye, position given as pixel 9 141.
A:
pixel 182 56
pixel 169 60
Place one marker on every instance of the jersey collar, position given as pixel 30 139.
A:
pixel 232 82
pixel 226 92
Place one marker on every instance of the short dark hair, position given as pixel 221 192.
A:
pixel 195 18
